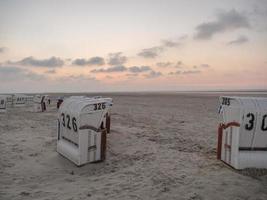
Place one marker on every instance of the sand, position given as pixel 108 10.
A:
pixel 161 146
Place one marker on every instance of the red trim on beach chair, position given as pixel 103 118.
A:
pixel 220 135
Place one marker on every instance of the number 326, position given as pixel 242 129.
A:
pixel 69 121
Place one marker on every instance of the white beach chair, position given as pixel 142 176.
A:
pixel 3 103
pixel 242 134
pixel 81 131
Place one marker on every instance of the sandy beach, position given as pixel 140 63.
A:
pixel 161 146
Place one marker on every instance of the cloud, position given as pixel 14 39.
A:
pixel 191 72
pixel 11 73
pixel 183 37
pixel 179 72
pixel 141 69
pixel 3 49
pixel 132 75
pixel 175 73
pixel 133 69
pixel 240 40
pixel 260 9
pixel 92 61
pixel 170 43
pixel 31 61
pixel 205 65
pixel 34 76
pixel 111 69
pixel 155 51
pixel 109 77
pixel 164 64
pixel 151 52
pixel 179 64
pixel 226 21
pixel 80 77
pixel 258 15
pixel 153 74
pixel 50 71
pixel 201 66
pixel 117 59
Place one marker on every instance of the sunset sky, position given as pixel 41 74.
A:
pixel 120 45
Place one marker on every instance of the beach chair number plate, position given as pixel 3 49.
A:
pixel 251 119
pixel 69 120
pixel 99 106
pixel 226 101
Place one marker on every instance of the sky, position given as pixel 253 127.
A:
pixel 123 45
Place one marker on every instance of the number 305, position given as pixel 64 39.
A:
pixel 67 121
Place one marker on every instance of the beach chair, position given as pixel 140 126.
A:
pixel 242 133
pixel 3 103
pixel 81 131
